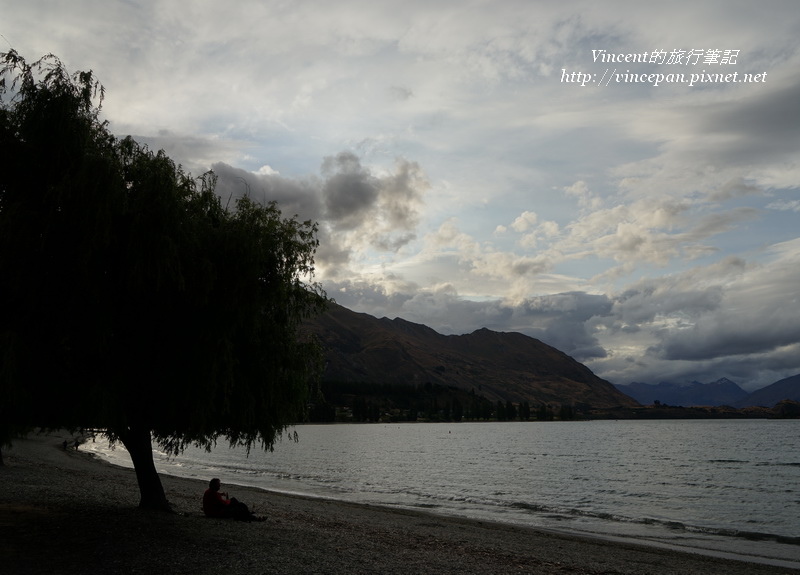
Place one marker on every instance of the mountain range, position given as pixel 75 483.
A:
pixel 499 366
pixel 720 392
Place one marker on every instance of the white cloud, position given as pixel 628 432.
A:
pixel 785 205
pixel 524 222
pixel 267 170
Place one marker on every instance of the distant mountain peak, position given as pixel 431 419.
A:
pixel 720 392
pixel 724 381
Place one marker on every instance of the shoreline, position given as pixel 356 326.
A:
pixel 71 512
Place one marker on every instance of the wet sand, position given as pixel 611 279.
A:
pixel 67 512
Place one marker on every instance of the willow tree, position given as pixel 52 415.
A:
pixel 133 301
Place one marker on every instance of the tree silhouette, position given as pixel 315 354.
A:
pixel 132 301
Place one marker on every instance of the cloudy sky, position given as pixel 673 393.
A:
pixel 479 164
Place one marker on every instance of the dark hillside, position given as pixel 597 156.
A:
pixel 787 388
pixel 499 366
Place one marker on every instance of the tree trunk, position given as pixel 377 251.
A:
pixel 137 441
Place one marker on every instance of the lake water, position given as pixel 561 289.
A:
pixel 717 486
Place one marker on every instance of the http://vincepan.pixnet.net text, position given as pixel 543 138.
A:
pixel 692 67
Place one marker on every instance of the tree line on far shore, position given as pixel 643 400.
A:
pixel 357 402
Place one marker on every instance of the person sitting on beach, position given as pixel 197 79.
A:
pixel 216 504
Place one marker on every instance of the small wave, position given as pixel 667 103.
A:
pixel 749 535
pixel 668 524
pixel 531 507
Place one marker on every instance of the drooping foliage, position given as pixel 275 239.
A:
pixel 132 300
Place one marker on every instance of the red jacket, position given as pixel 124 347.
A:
pixel 214 505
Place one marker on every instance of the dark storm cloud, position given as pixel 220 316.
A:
pixel 301 197
pixel 641 304
pixel 294 196
pixel 350 192
pixel 354 198
pixel 356 209
pixel 730 336
pixel 564 321
pixel 754 312
pixel 763 127
pixel 771 116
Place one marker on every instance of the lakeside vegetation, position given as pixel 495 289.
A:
pixel 370 402
pixel 358 401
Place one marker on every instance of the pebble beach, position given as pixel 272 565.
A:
pixel 65 512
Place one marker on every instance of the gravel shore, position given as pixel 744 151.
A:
pixel 64 512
